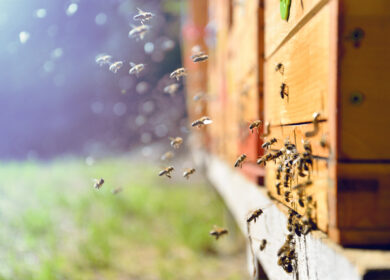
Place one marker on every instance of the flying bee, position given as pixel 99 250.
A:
pixel 263 244
pixel 240 160
pixel 98 183
pixel 114 67
pixel 168 155
pixel 136 68
pixel 103 59
pixel 217 232
pixel 143 16
pixel 264 159
pixel 180 72
pixel 254 125
pixel 176 142
pixel 138 32
pixel 268 144
pixel 117 190
pixel 283 90
pixel 187 172
pixel 171 89
pixel 279 68
pixel 201 122
pixel 167 172
pixel 254 215
pixel 198 57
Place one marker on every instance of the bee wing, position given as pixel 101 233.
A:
pixel 140 11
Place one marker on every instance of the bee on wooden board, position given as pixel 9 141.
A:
pixel 254 215
pixel 287 196
pixel 103 59
pixel 117 190
pixel 279 68
pixel 323 141
pixel 167 172
pixel 279 171
pixel 240 160
pixel 98 183
pixel 263 244
pixel 255 124
pixel 138 32
pixel 201 122
pixel 168 155
pixel 180 72
pixel 187 172
pixel 176 142
pixel 114 67
pixel 136 68
pixel 283 90
pixel 268 144
pixel 278 191
pixel 171 89
pixel 143 16
pixel 217 232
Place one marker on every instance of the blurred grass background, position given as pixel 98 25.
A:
pixel 55 225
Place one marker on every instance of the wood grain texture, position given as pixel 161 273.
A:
pixel 306 73
pixel 296 135
pixel 276 29
pixel 364 69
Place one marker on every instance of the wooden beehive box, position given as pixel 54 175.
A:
pixel 335 58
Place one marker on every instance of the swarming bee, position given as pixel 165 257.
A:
pixel 180 72
pixel 167 172
pixel 143 16
pixel 187 172
pixel 98 183
pixel 240 160
pixel 201 122
pixel 136 68
pixel 176 142
pixel 217 232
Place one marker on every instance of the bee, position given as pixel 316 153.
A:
pixel 217 232
pixel 287 196
pixel 103 59
pixel 114 67
pixel 278 191
pixel 263 244
pixel 254 215
pixel 279 171
pixel 254 125
pixel 138 32
pixel 279 68
pixel 283 90
pixel 98 183
pixel 188 172
pixel 171 89
pixel 176 142
pixel 117 190
pixel 136 68
pixel 168 155
pixel 307 146
pixel 323 141
pixel 287 177
pixel 202 121
pixel 180 72
pixel 277 154
pixel 143 16
pixel 167 172
pixel 268 144
pixel 264 159
pixel 240 160
pixel 198 57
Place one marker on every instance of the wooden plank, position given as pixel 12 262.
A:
pixel 306 73
pixel 318 256
pixel 277 29
pixel 296 135
pixel 364 74
pixel 363 196
pixel 318 190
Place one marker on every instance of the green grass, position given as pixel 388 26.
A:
pixel 55 225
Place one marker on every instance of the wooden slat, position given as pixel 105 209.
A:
pixel 365 127
pixel 306 73
pixel 276 29
pixel 318 190
pixel 296 134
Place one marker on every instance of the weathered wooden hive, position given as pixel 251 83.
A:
pixel 333 58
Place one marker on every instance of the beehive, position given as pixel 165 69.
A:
pixel 330 51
